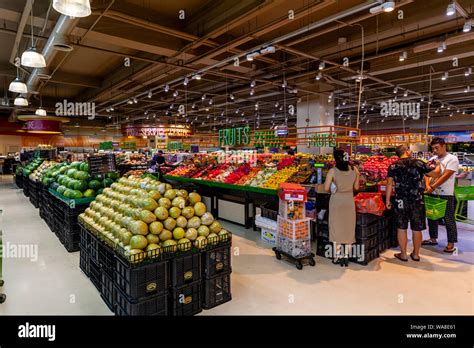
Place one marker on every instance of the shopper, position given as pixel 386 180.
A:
pixel 158 159
pixel 407 175
pixel 69 158
pixel 344 180
pixel 443 187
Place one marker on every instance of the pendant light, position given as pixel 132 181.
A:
pixel 21 101
pixel 73 8
pixel 17 85
pixel 31 58
pixel 40 111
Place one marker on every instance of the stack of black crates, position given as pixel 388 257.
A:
pixel 180 286
pixel 374 233
pixel 64 221
pixel 19 179
pixel 34 192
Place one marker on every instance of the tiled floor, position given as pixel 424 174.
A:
pixel 54 284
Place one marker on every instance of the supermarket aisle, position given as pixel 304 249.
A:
pixel 439 284
pixel 47 280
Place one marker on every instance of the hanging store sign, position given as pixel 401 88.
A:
pixel 393 139
pixel 160 132
pixel 234 136
pixel 322 140
pixel 268 139
pixel 175 145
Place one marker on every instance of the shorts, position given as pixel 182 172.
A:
pixel 410 212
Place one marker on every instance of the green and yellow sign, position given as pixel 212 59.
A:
pixel 268 139
pixel 322 140
pixel 234 136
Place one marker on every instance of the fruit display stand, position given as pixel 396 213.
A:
pixel 34 188
pixel 19 180
pixel 248 196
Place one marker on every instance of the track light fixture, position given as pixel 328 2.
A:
pixel 167 88
pixel 387 6
pixel 403 56
pixel 468 72
pixel 322 65
pixel 451 9
pixel 445 76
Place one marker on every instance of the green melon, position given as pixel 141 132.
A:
pixel 94 184
pixel 70 173
pixel 80 175
pixel 89 193
pixel 61 189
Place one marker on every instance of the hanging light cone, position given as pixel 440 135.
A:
pixel 73 8
pixel 17 86
pixel 31 58
pixel 21 101
pixel 40 112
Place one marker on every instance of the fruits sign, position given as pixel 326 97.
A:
pixel 268 139
pixel 234 136
pixel 322 140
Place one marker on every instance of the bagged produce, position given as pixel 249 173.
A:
pixel 369 203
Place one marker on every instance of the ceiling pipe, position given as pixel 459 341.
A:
pixel 362 7
pixel 63 27
pixel 21 28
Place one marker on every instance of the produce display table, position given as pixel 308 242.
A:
pixel 248 196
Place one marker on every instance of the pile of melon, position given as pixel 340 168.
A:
pixel 146 217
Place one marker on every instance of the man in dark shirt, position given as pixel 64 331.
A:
pixel 158 159
pixel 407 174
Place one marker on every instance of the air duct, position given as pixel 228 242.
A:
pixel 62 29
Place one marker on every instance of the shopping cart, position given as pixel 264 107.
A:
pixel 3 297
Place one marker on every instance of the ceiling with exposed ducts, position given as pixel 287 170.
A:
pixel 194 54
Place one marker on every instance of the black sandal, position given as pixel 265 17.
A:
pixel 429 242
pixel 413 258
pixel 398 256
pixel 449 251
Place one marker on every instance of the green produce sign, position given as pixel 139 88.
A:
pixel 234 136
pixel 106 145
pixel 322 140
pixel 127 145
pixel 268 139
pixel 175 145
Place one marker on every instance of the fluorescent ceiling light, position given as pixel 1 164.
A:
pixel 73 8
pixel 467 26
pixel 40 112
pixel 17 86
pixel 21 101
pixel 387 6
pixel 451 9
pixel 32 59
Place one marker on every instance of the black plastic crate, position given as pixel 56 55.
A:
pixel 186 300
pixel 322 229
pixel 19 181
pixel 216 261
pixel 369 256
pixel 385 244
pixel 185 270
pixel 321 246
pixel 107 291
pixel 141 281
pixel 216 291
pixel 85 238
pixel 156 305
pixel 270 210
pixel 107 260
pixel 369 243
pixel 71 241
pixel 363 232
pixel 26 187
pixel 84 262
pixel 95 274
pixel 363 219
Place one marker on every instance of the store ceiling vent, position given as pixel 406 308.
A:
pixel 61 43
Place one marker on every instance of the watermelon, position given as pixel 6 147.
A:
pixel 84 167
pixel 70 184
pixel 71 172
pixel 63 170
pixel 99 191
pixel 61 189
pixel 67 193
pixel 89 193
pixel 54 186
pixel 80 185
pixel 94 184
pixel 113 175
pixel 75 194
pixel 55 174
pixel 76 165
pixel 79 175
pixel 108 182
pixel 97 177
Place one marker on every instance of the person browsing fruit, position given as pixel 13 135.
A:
pixel 407 176
pixel 341 181
pixel 443 187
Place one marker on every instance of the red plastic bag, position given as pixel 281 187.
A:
pixel 369 203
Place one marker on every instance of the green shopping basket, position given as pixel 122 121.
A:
pixel 435 207
pixel 463 194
